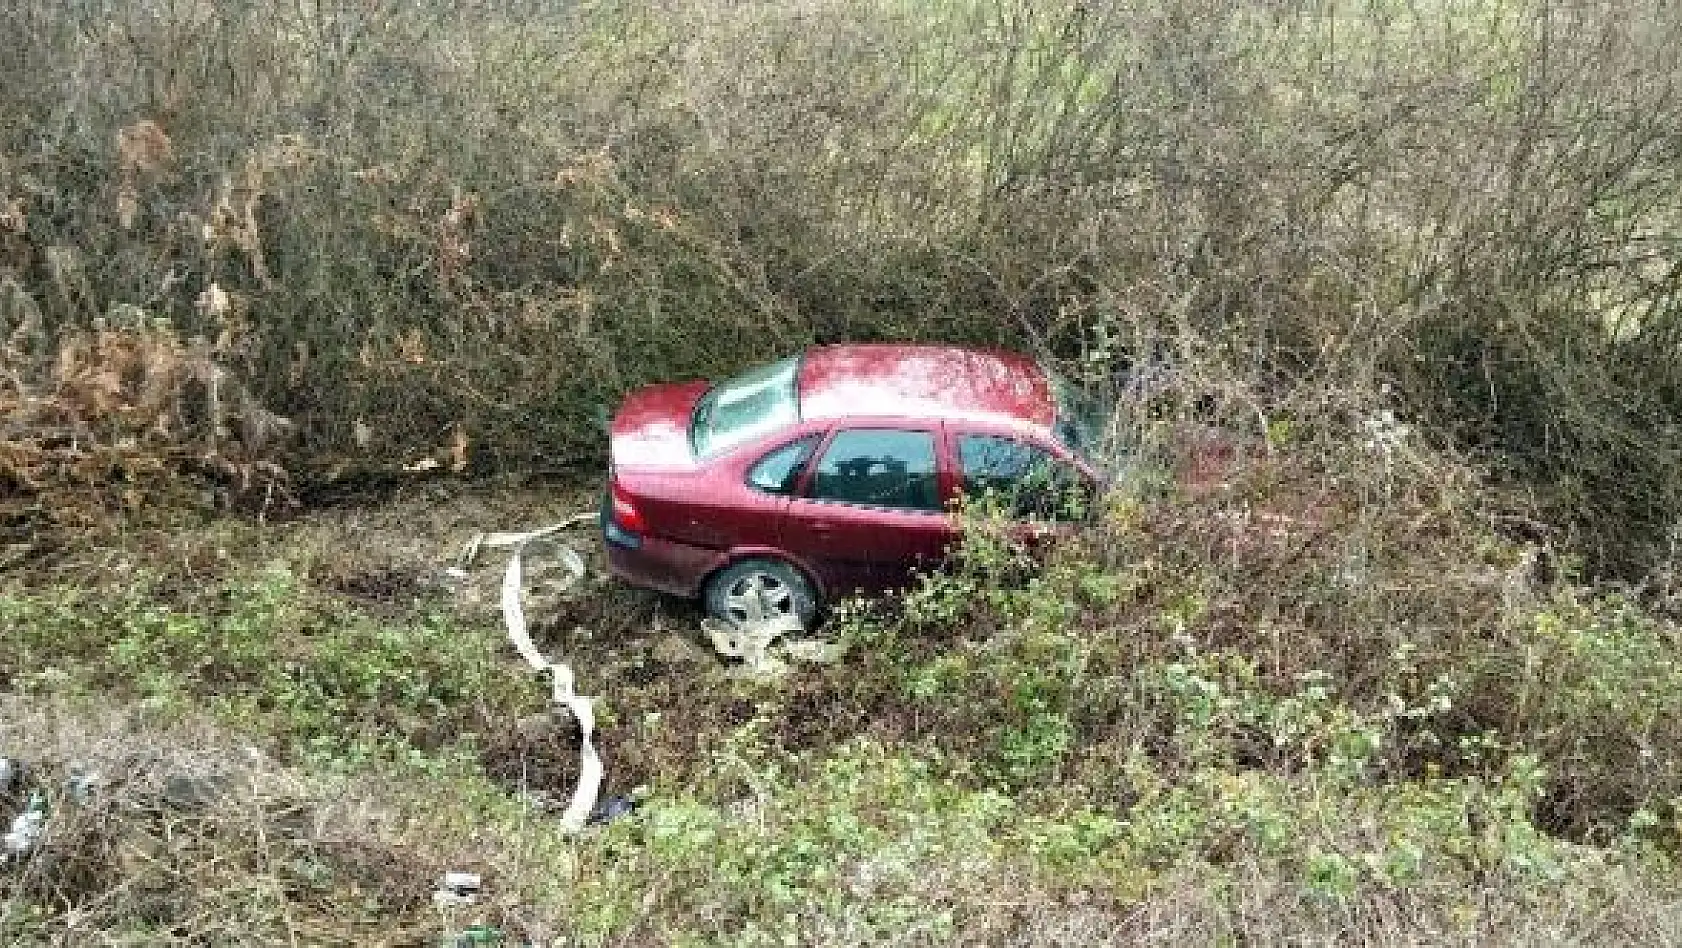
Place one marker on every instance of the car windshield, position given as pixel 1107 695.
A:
pixel 754 403
pixel 1082 423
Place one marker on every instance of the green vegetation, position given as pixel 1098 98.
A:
pixel 322 679
pixel 1379 642
pixel 1134 740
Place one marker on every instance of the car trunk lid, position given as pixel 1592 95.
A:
pixel 651 429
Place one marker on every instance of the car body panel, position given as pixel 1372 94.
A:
pixel 863 547
pixel 1035 534
pixel 993 428
pixel 665 565
pixel 698 510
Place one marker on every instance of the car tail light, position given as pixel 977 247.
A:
pixel 625 512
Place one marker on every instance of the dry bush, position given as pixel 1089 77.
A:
pixel 489 220
pixel 119 412
pixel 179 836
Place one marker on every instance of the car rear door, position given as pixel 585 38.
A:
pixel 1023 478
pixel 870 508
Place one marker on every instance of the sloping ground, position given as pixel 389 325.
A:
pixel 287 732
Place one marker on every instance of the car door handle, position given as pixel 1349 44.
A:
pixel 821 526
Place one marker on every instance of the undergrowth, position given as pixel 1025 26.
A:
pixel 1132 738
pixel 1393 656
pixel 328 682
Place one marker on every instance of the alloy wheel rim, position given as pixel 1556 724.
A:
pixel 758 596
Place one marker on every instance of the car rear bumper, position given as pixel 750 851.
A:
pixel 671 567
pixel 675 568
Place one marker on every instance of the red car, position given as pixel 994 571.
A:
pixel 831 472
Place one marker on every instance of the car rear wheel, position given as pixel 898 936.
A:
pixel 758 589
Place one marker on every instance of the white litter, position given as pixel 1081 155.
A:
pixel 814 651
pixel 26 829
pixel 82 786
pixel 751 642
pixel 461 883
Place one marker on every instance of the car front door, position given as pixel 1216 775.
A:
pixel 870 509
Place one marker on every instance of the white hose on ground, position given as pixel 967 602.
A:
pixel 581 708
pixel 750 641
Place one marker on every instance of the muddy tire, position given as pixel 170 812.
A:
pixel 753 589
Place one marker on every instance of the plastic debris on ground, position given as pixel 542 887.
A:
pixel 753 642
pixel 457 888
pixel 750 641
pixel 612 809
pixel 474 936
pixel 563 695
pixel 27 828
pixel 82 786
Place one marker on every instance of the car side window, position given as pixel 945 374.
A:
pixel 1028 481
pixel 880 467
pixel 776 472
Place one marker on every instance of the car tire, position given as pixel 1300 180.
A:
pixel 731 593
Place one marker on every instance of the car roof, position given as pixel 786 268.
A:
pixel 924 381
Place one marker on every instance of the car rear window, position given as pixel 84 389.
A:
pixel 776 472
pixel 1082 422
pixel 880 467
pixel 748 406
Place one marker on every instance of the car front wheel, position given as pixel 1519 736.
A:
pixel 754 590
